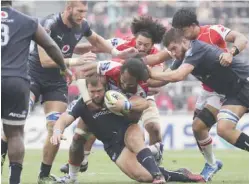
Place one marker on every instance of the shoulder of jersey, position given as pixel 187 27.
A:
pixel 50 19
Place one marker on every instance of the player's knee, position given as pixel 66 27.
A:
pixel 207 117
pixel 222 130
pixel 77 137
pixel 227 121
pixel 51 118
pixel 197 127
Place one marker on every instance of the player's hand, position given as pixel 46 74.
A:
pixel 150 71
pixel 68 74
pixel 118 106
pixel 87 57
pixel 226 59
pixel 153 91
pixel 57 137
pixel 128 53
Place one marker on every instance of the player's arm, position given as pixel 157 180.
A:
pixel 104 46
pixel 51 48
pixel 65 120
pixel 138 104
pixel 155 59
pixel 82 48
pixel 174 75
pixel 239 42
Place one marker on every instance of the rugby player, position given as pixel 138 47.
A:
pixel 122 137
pixel 147 32
pixel 208 102
pixel 123 78
pixel 66 29
pixel 17 31
pixel 205 62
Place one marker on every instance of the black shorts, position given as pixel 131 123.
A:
pixel 15 98
pixel 49 90
pixel 114 147
pixel 242 98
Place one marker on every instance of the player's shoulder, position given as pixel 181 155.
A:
pixel 11 13
pixel 220 29
pixel 50 21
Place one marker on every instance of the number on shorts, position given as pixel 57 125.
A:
pixel 4 34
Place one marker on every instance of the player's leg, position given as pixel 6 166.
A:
pixel 134 141
pixel 76 152
pixel 15 97
pixel 79 133
pixel 203 122
pixel 4 148
pixel 129 164
pixel 151 121
pixel 55 103
pixel 228 118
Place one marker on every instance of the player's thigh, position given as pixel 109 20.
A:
pixel 54 97
pixel 151 114
pixel 134 138
pixel 128 163
pixel 230 113
pixel 35 89
pixel 15 100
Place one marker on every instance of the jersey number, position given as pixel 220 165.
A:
pixel 4 34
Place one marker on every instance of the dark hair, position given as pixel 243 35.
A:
pixel 183 18
pixel 136 68
pixel 173 35
pixel 4 3
pixel 149 28
pixel 95 79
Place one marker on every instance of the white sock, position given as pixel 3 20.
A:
pixel 73 171
pixel 86 154
pixel 154 148
pixel 207 148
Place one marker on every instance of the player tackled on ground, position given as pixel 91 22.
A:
pixel 122 137
pixel 146 32
pixel 124 78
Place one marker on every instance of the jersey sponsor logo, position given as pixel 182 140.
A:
pixel 4 15
pixel 77 36
pixel 60 37
pixel 101 113
pixel 65 49
pixel 17 115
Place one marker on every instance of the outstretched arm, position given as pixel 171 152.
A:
pixel 174 75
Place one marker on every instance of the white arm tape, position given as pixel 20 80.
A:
pixel 81 84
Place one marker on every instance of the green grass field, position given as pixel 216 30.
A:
pixel 102 170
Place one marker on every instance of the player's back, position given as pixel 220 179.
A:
pixel 208 69
pixel 17 31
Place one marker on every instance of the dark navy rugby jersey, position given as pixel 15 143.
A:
pixel 65 37
pixel 17 31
